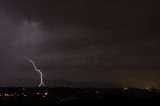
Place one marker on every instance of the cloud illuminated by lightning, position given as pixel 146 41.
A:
pixel 35 68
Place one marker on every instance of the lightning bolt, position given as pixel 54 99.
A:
pixel 37 70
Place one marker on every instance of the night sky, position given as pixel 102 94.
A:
pixel 80 43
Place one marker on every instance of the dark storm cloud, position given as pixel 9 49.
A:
pixel 82 40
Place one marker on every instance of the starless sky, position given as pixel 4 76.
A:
pixel 110 43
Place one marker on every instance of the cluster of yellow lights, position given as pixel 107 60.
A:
pixel 6 94
pixel 10 95
pixel 148 88
pixel 45 94
pixel 15 94
pixel 125 89
pixel 24 94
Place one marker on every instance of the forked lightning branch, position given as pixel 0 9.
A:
pixel 37 70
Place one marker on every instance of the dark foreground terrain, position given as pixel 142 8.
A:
pixel 79 96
